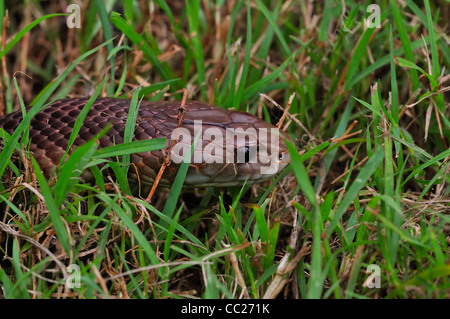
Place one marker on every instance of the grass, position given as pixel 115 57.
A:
pixel 366 194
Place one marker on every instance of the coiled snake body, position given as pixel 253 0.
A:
pixel 50 130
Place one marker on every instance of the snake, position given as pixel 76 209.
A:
pixel 218 161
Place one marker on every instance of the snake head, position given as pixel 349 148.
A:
pixel 233 147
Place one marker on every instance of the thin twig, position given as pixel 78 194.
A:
pixel 167 159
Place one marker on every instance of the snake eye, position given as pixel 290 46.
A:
pixel 243 154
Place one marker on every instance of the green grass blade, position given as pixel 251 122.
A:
pixel 72 170
pixel 106 26
pixel 193 9
pixel 54 213
pixel 302 175
pixel 365 173
pixel 406 44
pixel 27 29
pixel 261 222
pixel 275 25
pixel 357 55
pixel 155 87
pixel 246 64
pixel 130 127
pixel 131 148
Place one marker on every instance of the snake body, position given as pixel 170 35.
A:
pixel 51 128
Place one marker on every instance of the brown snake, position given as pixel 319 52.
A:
pixel 50 130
